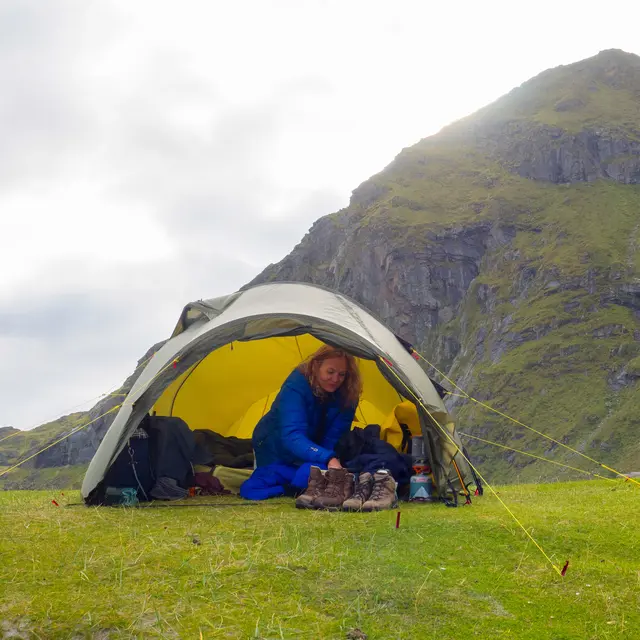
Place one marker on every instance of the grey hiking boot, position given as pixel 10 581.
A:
pixel 317 483
pixel 361 494
pixel 383 494
pixel 339 488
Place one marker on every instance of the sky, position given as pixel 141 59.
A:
pixel 153 153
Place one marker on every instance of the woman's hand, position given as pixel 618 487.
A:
pixel 334 463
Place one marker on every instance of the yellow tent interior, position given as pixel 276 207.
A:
pixel 230 389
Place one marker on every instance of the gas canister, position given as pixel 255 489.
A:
pixel 421 487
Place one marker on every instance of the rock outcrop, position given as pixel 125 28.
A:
pixel 554 155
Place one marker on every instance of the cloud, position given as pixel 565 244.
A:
pixel 43 116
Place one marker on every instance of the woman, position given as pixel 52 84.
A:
pixel 314 408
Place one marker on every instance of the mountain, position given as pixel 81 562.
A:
pixel 506 249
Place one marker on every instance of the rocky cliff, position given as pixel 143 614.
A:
pixel 505 248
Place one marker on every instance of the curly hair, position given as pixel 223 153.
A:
pixel 349 390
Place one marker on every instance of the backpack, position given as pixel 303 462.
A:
pixel 172 449
pixel 132 468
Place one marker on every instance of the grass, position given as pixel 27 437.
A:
pixel 270 571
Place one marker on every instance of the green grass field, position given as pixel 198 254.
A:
pixel 268 570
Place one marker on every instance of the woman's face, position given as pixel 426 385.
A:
pixel 331 373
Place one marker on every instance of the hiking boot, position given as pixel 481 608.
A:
pixel 317 483
pixel 383 494
pixel 339 488
pixel 361 494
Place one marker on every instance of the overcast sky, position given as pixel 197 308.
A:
pixel 153 153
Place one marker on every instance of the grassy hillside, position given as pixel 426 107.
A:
pixel 21 444
pixel 602 90
pixel 67 477
pixel 268 570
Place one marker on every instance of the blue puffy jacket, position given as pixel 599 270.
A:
pixel 289 432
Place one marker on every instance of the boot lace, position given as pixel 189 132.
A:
pixel 333 489
pixel 362 490
pixel 379 489
pixel 316 486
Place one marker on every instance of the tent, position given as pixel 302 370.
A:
pixel 228 357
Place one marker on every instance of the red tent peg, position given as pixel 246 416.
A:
pixel 55 503
pixel 564 569
pixel 398 520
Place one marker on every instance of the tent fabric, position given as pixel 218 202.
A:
pixel 228 356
